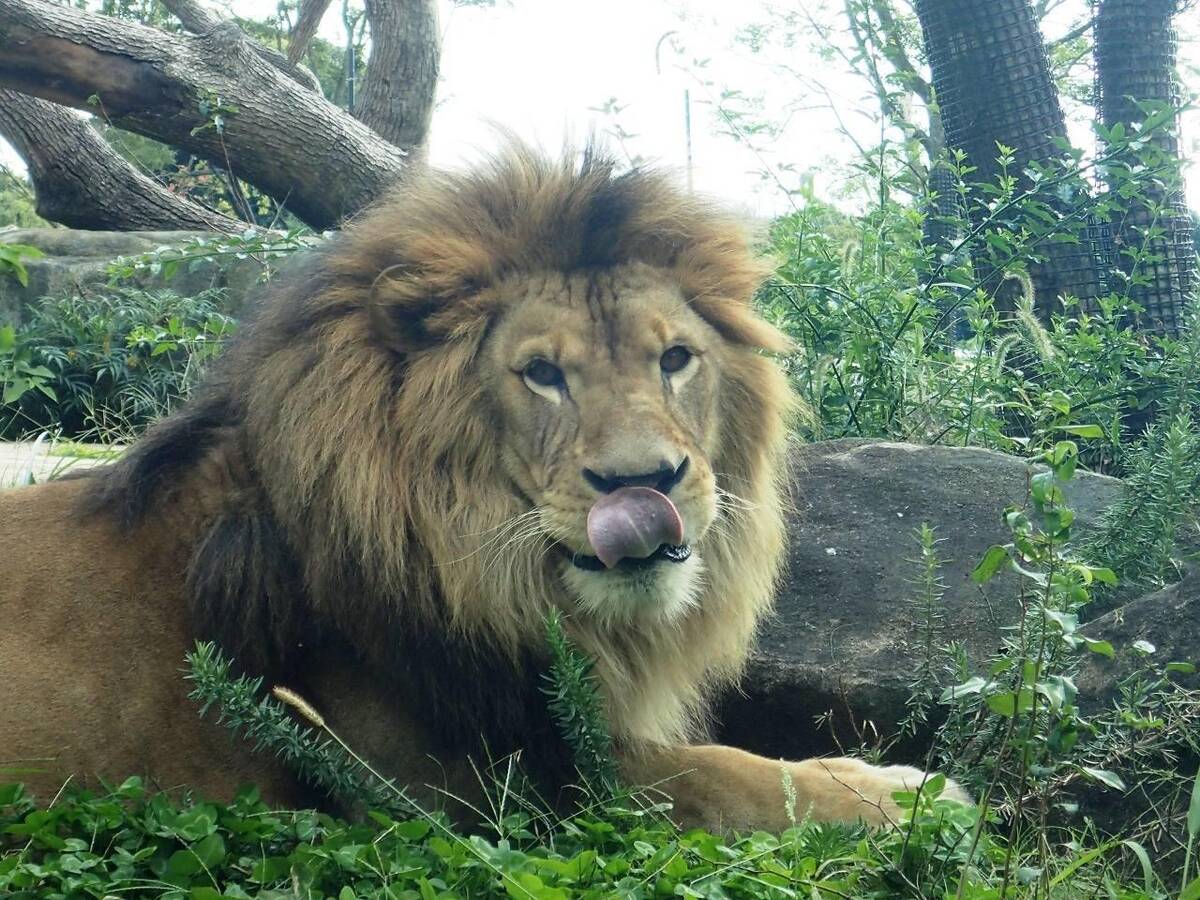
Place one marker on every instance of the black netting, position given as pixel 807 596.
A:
pixel 992 79
pixel 1136 55
pixel 991 74
pixel 1084 271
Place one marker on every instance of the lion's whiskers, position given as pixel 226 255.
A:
pixel 517 522
pixel 731 501
pixel 511 551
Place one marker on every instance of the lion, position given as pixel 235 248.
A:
pixel 535 385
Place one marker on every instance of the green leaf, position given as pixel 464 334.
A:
pixel 1009 703
pixel 27 250
pixel 1147 869
pixel 968 688
pixel 1111 779
pixel 1058 401
pixel 1059 691
pixel 14 390
pixel 211 850
pixel 1083 431
pixel 990 564
pixel 1193 816
pixel 1067 622
pixel 412 831
pixel 1104 648
pixel 1184 668
pixel 183 863
pixel 934 785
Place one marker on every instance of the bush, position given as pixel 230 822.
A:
pixel 902 336
pixel 107 364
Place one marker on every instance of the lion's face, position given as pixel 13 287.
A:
pixel 606 388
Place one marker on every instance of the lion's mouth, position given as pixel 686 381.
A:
pixel 672 553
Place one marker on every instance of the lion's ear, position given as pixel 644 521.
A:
pixel 409 312
pixel 402 328
pixel 755 332
pixel 398 310
pixel 737 322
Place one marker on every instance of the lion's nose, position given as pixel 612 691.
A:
pixel 662 479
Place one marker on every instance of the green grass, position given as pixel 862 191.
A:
pixel 75 450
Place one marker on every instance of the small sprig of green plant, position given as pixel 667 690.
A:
pixel 242 706
pixel 1016 733
pixel 927 619
pixel 1023 711
pixel 264 246
pixel 573 697
pixel 214 110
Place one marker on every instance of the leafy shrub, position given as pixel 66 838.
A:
pixel 129 843
pixel 109 363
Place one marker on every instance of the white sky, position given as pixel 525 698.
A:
pixel 537 66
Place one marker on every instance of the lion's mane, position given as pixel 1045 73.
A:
pixel 338 477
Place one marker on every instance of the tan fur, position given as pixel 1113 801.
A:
pixel 370 502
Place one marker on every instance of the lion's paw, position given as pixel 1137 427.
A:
pixel 860 790
pixel 909 779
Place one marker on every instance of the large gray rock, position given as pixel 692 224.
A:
pixel 1167 620
pixel 76 260
pixel 843 639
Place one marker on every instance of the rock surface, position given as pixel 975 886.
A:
pixel 77 259
pixel 843 639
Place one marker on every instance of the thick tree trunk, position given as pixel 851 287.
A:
pixel 1136 56
pixel 82 182
pixel 306 153
pixel 992 81
pixel 402 72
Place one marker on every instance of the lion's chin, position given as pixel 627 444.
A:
pixel 663 590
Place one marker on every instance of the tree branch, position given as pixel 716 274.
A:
pixel 80 181
pixel 209 94
pixel 1077 32
pixel 199 20
pixel 308 20
pixel 402 72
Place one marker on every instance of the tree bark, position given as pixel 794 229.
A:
pixel 992 81
pixel 307 22
pixel 402 71
pixel 1136 57
pixel 199 20
pixel 80 181
pixel 305 152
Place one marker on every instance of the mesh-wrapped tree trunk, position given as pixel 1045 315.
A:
pixel 1136 55
pixel 993 84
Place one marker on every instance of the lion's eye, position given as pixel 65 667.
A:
pixel 543 374
pixel 674 359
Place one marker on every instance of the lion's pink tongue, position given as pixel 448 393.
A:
pixel 631 523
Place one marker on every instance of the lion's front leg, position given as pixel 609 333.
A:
pixel 723 788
